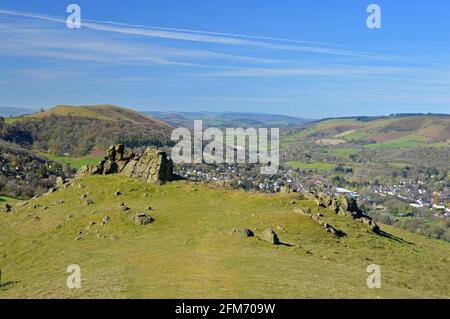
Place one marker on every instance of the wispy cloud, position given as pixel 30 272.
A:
pixel 212 37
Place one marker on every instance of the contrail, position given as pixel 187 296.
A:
pixel 207 37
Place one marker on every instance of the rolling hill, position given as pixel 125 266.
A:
pixel 228 119
pixel 385 132
pixel 77 130
pixel 410 139
pixel 188 251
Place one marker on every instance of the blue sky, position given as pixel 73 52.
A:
pixel 304 58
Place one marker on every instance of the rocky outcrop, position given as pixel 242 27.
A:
pixel 347 207
pixel 318 219
pixel 153 166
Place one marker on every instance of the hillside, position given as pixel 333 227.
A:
pixel 408 139
pixel 77 130
pixel 188 251
pixel 385 132
pixel 228 119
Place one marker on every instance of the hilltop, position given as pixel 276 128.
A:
pixel 77 130
pixel 188 249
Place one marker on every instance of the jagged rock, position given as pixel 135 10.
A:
pixel 370 224
pixel 242 232
pixel 153 166
pixel 142 218
pixel 59 182
pixel 270 236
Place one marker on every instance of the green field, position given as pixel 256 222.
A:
pixel 6 199
pixel 74 162
pixel 188 251
pixel 312 166
pixel 408 141
pixel 345 151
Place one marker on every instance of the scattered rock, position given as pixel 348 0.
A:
pixel 106 219
pixel 37 218
pixel 7 208
pixel 113 237
pixel 142 218
pixel 117 194
pixel 242 232
pixel 79 238
pixel 270 236
pixel 89 202
pixel 124 207
pixel 59 202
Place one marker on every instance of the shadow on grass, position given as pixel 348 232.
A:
pixel 392 237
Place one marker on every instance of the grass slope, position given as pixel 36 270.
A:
pixel 188 251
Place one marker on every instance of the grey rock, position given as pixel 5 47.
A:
pixel 242 232
pixel 270 236
pixel 142 218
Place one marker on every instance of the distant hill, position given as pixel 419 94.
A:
pixel 76 130
pixel 415 139
pixel 395 131
pixel 228 119
pixel 14 111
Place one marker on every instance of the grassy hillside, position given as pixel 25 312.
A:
pixel 411 139
pixel 395 131
pixel 188 251
pixel 77 130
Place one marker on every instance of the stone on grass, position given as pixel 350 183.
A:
pixel 270 236
pixel 242 232
pixel 142 218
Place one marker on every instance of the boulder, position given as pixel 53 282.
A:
pixel 242 232
pixel 270 236
pixel 142 218
pixel 7 208
pixel 59 182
